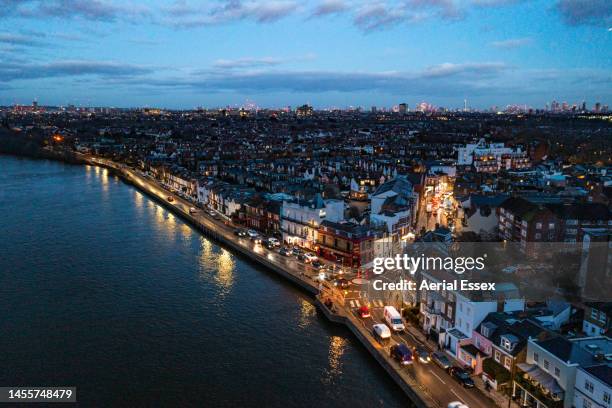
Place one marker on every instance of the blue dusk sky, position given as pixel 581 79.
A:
pixel 329 53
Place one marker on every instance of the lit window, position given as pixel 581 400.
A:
pixel 508 363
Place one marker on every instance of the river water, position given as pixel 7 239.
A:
pixel 103 289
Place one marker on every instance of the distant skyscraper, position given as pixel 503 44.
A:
pixel 583 108
pixel 373 109
pixel 403 108
pixel 598 107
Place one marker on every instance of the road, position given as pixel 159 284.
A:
pixel 435 380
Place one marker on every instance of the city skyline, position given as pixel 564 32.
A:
pixel 327 53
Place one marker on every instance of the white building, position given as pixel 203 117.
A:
pixel 491 157
pixel 394 203
pixel 451 316
pixel 470 312
pixel 593 387
pixel 300 219
pixel 557 369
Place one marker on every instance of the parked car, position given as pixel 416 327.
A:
pixel 284 251
pixel 275 242
pixel 422 354
pixel 402 354
pixel 308 257
pixel 170 199
pixel 393 319
pixel 462 376
pixel 212 213
pixel 295 251
pixel 381 332
pixel 317 265
pixel 364 312
pixel 193 210
pixel 301 258
pixel 440 359
pixel 342 283
pixel 252 234
pixel 269 244
pixel 457 404
pixel 240 232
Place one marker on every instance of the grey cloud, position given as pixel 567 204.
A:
pixel 96 10
pixel 327 7
pixel 439 80
pixel 477 69
pixel 586 12
pixel 22 40
pixel 246 62
pixel 378 16
pixel 496 3
pixel 255 62
pixel 183 15
pixel 10 71
pixel 447 9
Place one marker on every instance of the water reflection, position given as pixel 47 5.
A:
pixel 218 267
pixel 186 231
pixel 337 346
pixel 104 180
pixel 138 200
pixel 307 313
pixel 206 249
pixel 225 269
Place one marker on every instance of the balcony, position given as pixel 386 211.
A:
pixel 530 393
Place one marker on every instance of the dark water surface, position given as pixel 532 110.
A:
pixel 103 289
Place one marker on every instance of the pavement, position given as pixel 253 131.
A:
pixel 429 377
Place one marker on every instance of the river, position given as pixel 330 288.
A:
pixel 103 289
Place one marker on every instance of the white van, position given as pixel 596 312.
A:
pixel 393 319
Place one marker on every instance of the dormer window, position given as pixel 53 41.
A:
pixel 487 329
pixel 508 342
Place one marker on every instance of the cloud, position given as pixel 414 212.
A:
pixel 94 10
pixel 445 79
pixel 22 40
pixel 512 43
pixel 377 16
pixel 474 69
pixel 496 3
pixel 183 15
pixel 327 7
pixel 446 9
pixel 585 12
pixel 10 71
pixel 247 62
pixel 257 62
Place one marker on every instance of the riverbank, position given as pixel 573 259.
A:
pixel 15 144
pixel 223 233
